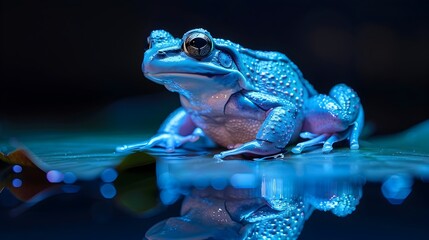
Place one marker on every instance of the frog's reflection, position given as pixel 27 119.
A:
pixel 251 200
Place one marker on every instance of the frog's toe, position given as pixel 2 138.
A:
pixel 172 141
pixel 337 137
pixel 327 148
pixel 137 147
pixel 312 142
pixel 169 144
pixel 354 146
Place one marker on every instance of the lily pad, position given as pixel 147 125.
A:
pixel 19 156
pixel 85 155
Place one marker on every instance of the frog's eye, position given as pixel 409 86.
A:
pixel 198 45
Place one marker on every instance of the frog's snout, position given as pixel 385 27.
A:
pixel 148 64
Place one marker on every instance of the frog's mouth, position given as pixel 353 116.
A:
pixel 170 75
pixel 192 80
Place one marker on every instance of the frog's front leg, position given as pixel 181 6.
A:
pixel 275 132
pixel 175 131
pixel 333 118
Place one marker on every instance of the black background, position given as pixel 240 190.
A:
pixel 69 56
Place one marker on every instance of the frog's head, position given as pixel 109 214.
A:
pixel 197 62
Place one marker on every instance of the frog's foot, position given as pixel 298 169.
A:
pixel 169 141
pixel 328 140
pixel 255 147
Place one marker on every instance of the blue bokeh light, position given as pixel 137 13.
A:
pixel 55 176
pixel 108 191
pixel 397 188
pixel 17 169
pixel 69 178
pixel 17 182
pixel 109 175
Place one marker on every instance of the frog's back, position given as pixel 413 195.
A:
pixel 274 73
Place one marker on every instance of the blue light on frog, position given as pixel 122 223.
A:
pixel 251 102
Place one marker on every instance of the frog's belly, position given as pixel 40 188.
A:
pixel 231 131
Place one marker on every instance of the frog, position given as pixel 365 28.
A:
pixel 251 102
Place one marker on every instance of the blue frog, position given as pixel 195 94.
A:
pixel 251 102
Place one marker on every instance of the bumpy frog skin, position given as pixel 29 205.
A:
pixel 251 102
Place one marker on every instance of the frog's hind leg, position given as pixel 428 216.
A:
pixel 331 119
